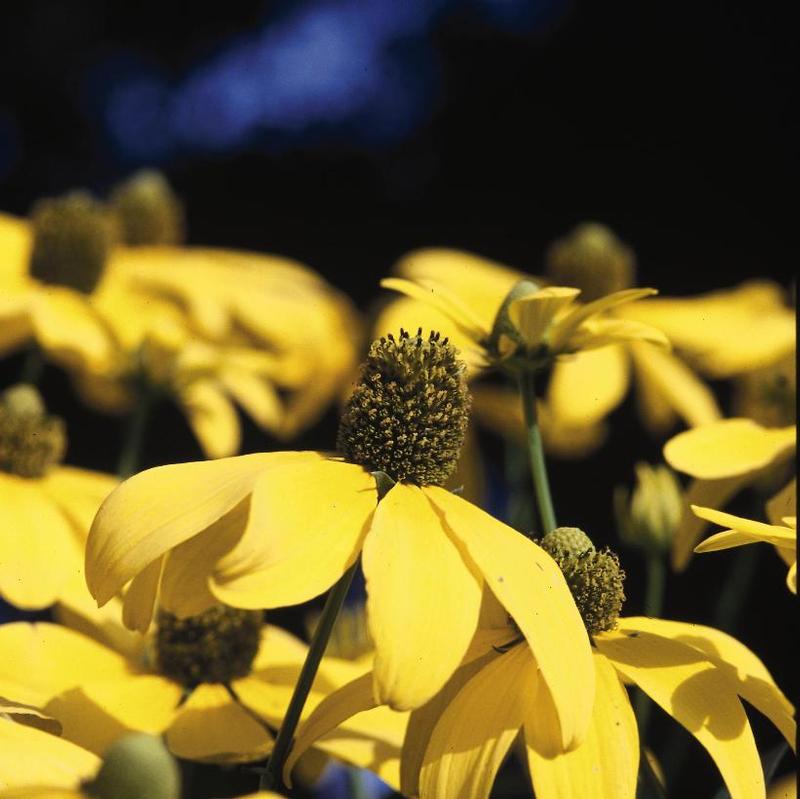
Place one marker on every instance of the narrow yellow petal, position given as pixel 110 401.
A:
pixel 212 727
pixel 696 693
pixel 474 733
pixel 606 764
pixel 728 448
pixel 532 588
pixel 160 508
pixel 212 417
pixel 743 531
pixel 784 503
pixel 668 377
pixel 256 395
pixel 28 715
pixel 307 522
pixel 423 599
pixel 31 757
pixel 533 315
pixel 594 333
pixel 747 674
pixel 139 602
pixel 78 493
pixel 586 387
pixel 791 578
pixel 38 548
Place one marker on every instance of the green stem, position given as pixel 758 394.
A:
pixel 358 790
pixel 653 603
pixel 271 778
pixel 541 486
pixel 131 453
pixel 32 367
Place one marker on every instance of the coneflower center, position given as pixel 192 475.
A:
pixel 591 258
pixel 594 577
pixel 408 414
pixel 216 647
pixel 147 210
pixel 72 236
pixel 31 442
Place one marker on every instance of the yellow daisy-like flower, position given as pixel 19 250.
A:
pixel 745 531
pixel 275 529
pixel 723 458
pixel 456 743
pixel 214 686
pixel 46 508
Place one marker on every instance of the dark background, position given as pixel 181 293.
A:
pixel 492 126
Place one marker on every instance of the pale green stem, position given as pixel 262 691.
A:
pixel 653 603
pixel 541 486
pixel 271 777
pixel 358 789
pixel 131 453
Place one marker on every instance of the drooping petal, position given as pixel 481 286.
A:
pixel 532 588
pixel 78 493
pixel 139 602
pixel 696 693
pixel 791 578
pixel 606 764
pixel 38 549
pixel 212 727
pixel 29 715
pixel 48 659
pixel 742 531
pixel 423 599
pixel 668 377
pixel 160 508
pixel 594 333
pixel 586 387
pixel 748 675
pixel 307 522
pixel 29 757
pixel 728 448
pixel 476 729
pixel 533 314
pixel 256 395
pixel 212 417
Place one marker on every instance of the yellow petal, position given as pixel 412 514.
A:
pixel 38 549
pixel 747 674
pixel 79 493
pixel 474 733
pixel 49 659
pixel 15 322
pixel 213 727
pixel 423 599
pixel 664 375
pixel 744 531
pixel 696 693
pixel 532 588
pixel 212 417
pixel 791 578
pixel 257 396
pixel 307 522
pixel 28 715
pixel 784 503
pixel 606 764
pixel 140 598
pixel 16 241
pixel 586 387
pixel 160 508
pixel 29 757
pixel 534 314
pixel 728 448
pixel 594 333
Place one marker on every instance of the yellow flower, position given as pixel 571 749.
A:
pixel 456 743
pixel 723 458
pixel 46 508
pixel 275 529
pixel 745 531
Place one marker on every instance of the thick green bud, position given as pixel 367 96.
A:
pixel 408 414
pixel 137 766
pixel 72 236
pixel 594 577
pixel 148 211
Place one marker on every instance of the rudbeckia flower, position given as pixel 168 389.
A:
pixel 745 531
pixel 723 458
pixel 46 508
pixel 275 529
pixel 456 743
pixel 214 686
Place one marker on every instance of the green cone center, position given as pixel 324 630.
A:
pixel 72 237
pixel 594 577
pixel 215 647
pixel 31 442
pixel 408 414
pixel 148 211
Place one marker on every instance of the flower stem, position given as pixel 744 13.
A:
pixel 541 486
pixel 653 603
pixel 131 453
pixel 272 775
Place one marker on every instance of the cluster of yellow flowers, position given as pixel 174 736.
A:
pixel 476 641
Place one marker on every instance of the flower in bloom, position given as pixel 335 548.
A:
pixel 723 458
pixel 746 531
pixel 276 529
pixel 46 508
pixel 456 743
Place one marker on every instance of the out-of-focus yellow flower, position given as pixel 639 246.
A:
pixel 46 508
pixel 723 457
pixel 769 395
pixel 269 530
pixel 456 743
pixel 784 788
pixel 745 531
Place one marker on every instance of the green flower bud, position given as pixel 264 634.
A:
pixel 148 210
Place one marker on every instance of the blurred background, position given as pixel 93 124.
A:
pixel 344 133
